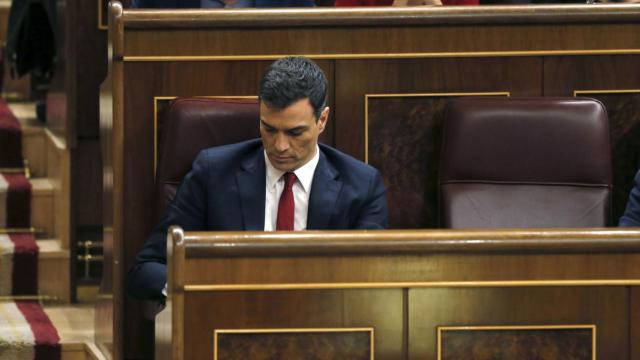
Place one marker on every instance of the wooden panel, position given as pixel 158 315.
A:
pixel 88 171
pixel 616 82
pixel 517 76
pixel 380 309
pixel 330 41
pixel 526 343
pixel 634 322
pixel 494 57
pixel 5 6
pixel 623 110
pixel 294 344
pixel 227 293
pixel 403 141
pixel 604 307
pixel 426 268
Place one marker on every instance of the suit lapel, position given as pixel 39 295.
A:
pixel 325 189
pixel 251 189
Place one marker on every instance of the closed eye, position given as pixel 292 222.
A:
pixel 268 128
pixel 297 131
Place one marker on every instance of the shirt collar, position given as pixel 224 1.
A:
pixel 303 173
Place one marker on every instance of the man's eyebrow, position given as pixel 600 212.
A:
pixel 265 124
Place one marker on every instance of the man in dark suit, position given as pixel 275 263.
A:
pixel 283 181
pixel 631 216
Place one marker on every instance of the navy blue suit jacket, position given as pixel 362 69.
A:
pixel 631 215
pixel 225 190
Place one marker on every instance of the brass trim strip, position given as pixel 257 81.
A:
pixel 21 230
pixel 290 330
pixel 441 329
pixel 409 284
pixel 13 170
pixel 613 91
pixel 421 15
pixel 28 297
pixel 369 330
pixel 515 327
pixel 100 15
pixel 156 99
pixel 397 95
pixel 90 258
pixel 195 58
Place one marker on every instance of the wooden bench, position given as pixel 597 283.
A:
pixel 393 294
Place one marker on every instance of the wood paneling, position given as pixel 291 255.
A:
pixel 403 140
pixel 407 298
pixel 517 343
pixel 606 308
pixel 315 309
pixel 517 76
pixel 294 344
pixel 614 80
pixel 378 40
pixel 377 51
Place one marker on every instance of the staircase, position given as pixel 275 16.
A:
pixel 48 162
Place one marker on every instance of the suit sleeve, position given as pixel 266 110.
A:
pixel 148 276
pixel 631 216
pixel 374 214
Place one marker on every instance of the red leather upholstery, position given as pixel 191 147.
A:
pixel 193 124
pixel 529 162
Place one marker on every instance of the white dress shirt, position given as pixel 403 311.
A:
pixel 301 190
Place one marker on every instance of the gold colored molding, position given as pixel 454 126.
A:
pixel 157 99
pixel 17 170
pixel 217 332
pixel 385 16
pixel 612 91
pixel 419 55
pixel 409 284
pixel 31 230
pixel 28 298
pixel 399 95
pixel 101 26
pixel 24 171
pixel 591 327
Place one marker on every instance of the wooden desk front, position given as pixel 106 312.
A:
pixel 414 294
pixel 391 71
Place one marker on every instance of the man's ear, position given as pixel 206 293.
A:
pixel 324 117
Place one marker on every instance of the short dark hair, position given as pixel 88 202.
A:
pixel 293 78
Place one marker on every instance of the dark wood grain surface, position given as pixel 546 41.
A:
pixel 551 51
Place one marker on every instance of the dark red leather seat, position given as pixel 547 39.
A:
pixel 193 124
pixel 529 162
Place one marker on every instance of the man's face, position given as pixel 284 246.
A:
pixel 290 135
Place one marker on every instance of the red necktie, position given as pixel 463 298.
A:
pixel 286 206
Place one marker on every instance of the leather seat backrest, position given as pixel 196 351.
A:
pixel 193 124
pixel 528 162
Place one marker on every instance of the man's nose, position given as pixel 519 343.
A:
pixel 282 143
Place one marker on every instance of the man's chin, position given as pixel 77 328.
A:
pixel 283 164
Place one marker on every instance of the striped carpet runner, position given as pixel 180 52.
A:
pixel 25 330
pixel 10 138
pixel 27 333
pixel 18 265
pixel 15 201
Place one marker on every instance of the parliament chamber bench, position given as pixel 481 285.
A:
pixel 402 294
pixel 391 71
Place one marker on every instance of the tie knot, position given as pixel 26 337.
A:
pixel 289 179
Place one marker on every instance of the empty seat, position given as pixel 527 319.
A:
pixel 528 162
